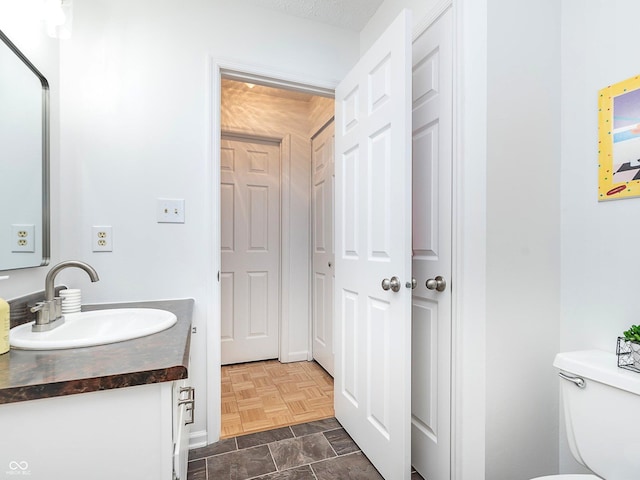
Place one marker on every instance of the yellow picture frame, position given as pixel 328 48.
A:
pixel 619 140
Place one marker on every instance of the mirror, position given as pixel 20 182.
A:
pixel 24 161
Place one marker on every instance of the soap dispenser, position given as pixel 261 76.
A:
pixel 5 324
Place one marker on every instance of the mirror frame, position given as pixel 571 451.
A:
pixel 46 203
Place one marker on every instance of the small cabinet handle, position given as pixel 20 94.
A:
pixel 189 401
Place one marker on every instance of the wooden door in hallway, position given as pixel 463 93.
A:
pixel 322 168
pixel 250 249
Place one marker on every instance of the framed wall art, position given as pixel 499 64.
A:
pixel 619 140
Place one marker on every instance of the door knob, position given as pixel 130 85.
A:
pixel 392 284
pixel 437 283
pixel 412 284
pixel 330 264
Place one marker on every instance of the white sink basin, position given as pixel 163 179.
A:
pixel 99 327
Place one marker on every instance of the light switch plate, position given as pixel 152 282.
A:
pixel 170 210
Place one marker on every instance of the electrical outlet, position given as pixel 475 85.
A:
pixel 170 210
pixel 23 238
pixel 102 239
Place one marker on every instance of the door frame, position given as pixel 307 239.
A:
pixel 469 232
pixel 468 225
pixel 468 210
pixel 284 181
pixel 216 70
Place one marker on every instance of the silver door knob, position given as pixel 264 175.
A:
pixel 330 264
pixel 392 284
pixel 437 283
pixel 412 284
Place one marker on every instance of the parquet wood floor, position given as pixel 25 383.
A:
pixel 265 395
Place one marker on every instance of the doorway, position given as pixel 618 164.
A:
pixel 267 288
pixel 432 413
pixel 253 112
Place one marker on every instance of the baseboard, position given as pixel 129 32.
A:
pixel 295 357
pixel 198 439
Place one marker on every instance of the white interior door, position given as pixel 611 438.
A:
pixel 431 309
pixel 250 250
pixel 323 185
pixel 373 242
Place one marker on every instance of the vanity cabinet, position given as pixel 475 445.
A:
pixel 127 433
pixel 116 411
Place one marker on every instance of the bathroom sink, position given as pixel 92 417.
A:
pixel 98 327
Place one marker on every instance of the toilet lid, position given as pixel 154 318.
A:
pixel 568 477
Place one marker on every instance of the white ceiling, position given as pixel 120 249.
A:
pixel 349 14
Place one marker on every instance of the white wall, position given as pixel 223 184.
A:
pixel 599 272
pixel 135 127
pixel 523 238
pixel 389 10
pixel 22 23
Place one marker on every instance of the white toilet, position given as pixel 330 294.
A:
pixel 601 405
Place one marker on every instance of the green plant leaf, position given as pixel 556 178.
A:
pixel 633 334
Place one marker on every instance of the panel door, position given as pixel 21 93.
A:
pixel 323 185
pixel 250 250
pixel 373 242
pixel 431 309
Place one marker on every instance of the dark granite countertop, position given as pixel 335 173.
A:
pixel 161 357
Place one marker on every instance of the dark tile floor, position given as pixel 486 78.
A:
pixel 319 450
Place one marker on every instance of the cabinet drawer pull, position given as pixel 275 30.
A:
pixel 190 394
pixel 189 401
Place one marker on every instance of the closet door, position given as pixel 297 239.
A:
pixel 372 385
pixel 250 249
pixel 323 252
pixel 431 304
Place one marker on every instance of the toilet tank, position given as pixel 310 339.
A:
pixel 602 418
